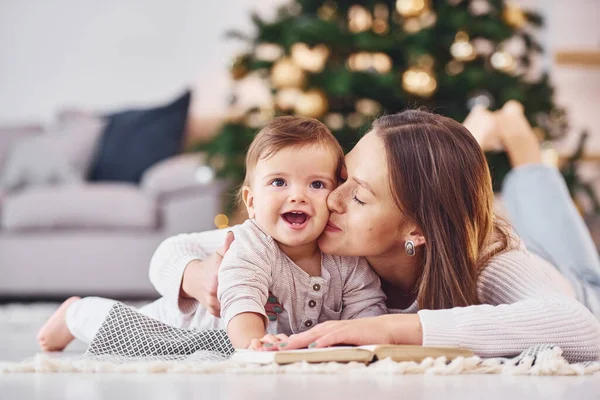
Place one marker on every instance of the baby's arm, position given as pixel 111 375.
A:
pixel 362 295
pixel 244 282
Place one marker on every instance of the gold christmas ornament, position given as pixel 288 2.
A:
pixel 359 19
pixel 419 81
pixel 285 74
pixel 327 10
pixel 462 49
pixel 286 99
pixel 454 67
pixel 312 103
pixel 503 61
pixel 268 52
pixel 238 68
pixel 360 61
pixel 367 106
pixel 312 60
pixel 514 15
pixel 355 120
pixel 335 121
pixel 221 221
pixel 411 8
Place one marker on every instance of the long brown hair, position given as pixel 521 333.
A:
pixel 441 182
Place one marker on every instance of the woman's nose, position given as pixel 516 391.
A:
pixel 334 201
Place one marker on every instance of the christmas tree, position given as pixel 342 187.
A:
pixel 346 62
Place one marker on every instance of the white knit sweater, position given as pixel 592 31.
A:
pixel 523 303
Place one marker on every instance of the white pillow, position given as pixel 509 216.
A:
pixel 61 155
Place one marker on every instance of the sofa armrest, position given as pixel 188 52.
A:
pixel 177 175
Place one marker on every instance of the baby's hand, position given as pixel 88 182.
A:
pixel 268 342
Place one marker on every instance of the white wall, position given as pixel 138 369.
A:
pixel 104 54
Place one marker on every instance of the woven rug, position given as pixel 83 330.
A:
pixel 131 342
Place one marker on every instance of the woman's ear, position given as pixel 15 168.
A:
pixel 417 237
pixel 248 199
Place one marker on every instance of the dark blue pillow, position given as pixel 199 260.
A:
pixel 133 140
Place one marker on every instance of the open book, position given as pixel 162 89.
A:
pixel 364 354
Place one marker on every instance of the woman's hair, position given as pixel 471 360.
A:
pixel 441 182
pixel 290 131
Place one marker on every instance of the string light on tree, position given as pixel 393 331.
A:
pixel 480 7
pixel 419 81
pixel 380 24
pixel 368 107
pixel 411 8
pixel 285 73
pixel 359 19
pixel 365 61
pixel 286 99
pixel 312 60
pixel 462 49
pixel 503 61
pixel 312 103
pixel 335 121
pixel 327 10
pixel 427 19
pixel 454 67
pixel 480 97
pixel 355 120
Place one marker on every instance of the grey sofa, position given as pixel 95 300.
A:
pixel 98 238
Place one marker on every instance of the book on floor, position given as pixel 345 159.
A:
pixel 365 354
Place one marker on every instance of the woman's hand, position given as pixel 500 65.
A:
pixel 268 342
pixel 200 278
pixel 200 282
pixel 385 329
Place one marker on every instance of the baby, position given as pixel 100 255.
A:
pixel 291 167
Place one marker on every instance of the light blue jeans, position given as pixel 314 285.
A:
pixel 541 210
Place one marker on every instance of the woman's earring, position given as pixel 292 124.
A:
pixel 409 246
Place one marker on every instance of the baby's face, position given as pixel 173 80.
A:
pixel 288 194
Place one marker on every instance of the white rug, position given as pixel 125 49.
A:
pixel 19 324
pixel 546 362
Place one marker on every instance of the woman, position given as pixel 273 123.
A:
pixel 417 201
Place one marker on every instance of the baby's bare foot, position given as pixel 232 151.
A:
pixel 518 138
pixel 55 335
pixel 482 124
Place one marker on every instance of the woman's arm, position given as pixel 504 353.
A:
pixel 177 273
pixel 523 309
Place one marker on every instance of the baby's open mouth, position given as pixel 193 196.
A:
pixel 295 217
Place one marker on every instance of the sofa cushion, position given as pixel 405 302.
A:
pixel 63 154
pixel 98 206
pixel 136 139
pixel 10 134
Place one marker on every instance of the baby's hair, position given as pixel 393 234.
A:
pixel 289 131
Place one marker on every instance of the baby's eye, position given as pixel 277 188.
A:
pixel 278 182
pixel 317 185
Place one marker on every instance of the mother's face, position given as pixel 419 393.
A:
pixel 364 220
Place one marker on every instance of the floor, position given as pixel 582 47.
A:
pixel 19 323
